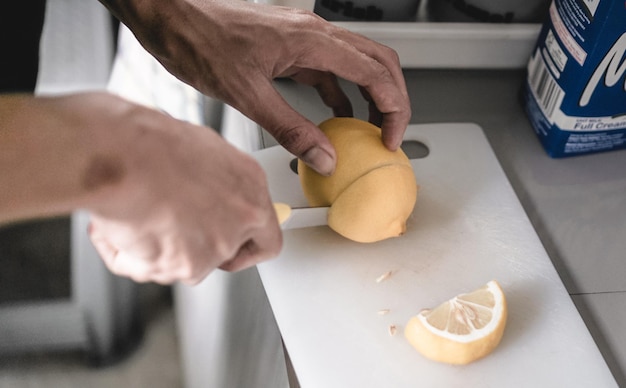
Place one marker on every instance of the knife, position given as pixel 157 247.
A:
pixel 303 217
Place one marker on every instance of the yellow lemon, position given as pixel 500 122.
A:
pixel 373 190
pixel 462 329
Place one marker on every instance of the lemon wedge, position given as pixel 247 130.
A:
pixel 462 329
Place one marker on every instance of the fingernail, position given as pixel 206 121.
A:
pixel 397 145
pixel 392 143
pixel 320 161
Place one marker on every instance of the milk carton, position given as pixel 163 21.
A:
pixel 575 92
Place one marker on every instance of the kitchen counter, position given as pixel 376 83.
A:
pixel 577 205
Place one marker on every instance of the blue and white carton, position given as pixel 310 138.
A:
pixel 575 92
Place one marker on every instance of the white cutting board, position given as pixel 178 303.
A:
pixel 468 227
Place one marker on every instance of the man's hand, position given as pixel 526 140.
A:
pixel 190 203
pixel 232 50
pixel 170 201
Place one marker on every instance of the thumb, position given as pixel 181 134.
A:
pixel 292 130
pixel 306 141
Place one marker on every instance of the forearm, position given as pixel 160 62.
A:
pixel 145 13
pixel 161 26
pixel 154 21
pixel 127 11
pixel 51 161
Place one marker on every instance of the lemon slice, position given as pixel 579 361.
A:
pixel 462 329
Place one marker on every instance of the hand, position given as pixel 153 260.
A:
pixel 232 50
pixel 187 203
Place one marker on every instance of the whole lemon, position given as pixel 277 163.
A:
pixel 373 190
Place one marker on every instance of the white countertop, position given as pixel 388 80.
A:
pixel 576 205
pixel 468 227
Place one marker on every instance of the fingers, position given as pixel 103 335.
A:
pixel 192 264
pixel 106 250
pixel 246 257
pixel 264 243
pixel 293 131
pixel 376 69
pixel 328 88
pixel 121 263
pixel 375 116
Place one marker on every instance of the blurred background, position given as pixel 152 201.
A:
pixel 66 322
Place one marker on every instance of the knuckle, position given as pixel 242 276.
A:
pixel 254 216
pixel 380 75
pixel 391 54
pixel 293 138
pixel 187 273
pixel 138 278
pixel 407 113
pixel 222 250
pixel 307 18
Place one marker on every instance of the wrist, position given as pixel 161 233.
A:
pixel 127 148
pixel 53 148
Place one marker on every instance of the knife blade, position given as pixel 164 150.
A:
pixel 304 217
